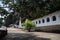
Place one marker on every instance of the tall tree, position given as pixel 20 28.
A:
pixel 3 15
pixel 32 9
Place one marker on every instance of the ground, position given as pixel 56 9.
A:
pixel 18 34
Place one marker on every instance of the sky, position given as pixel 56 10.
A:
pixel 1 5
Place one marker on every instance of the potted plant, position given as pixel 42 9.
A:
pixel 28 25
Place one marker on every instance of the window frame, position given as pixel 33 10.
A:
pixel 43 21
pixel 39 21
pixel 36 22
pixel 48 19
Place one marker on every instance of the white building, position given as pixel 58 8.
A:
pixel 49 22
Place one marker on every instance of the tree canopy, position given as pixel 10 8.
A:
pixel 32 9
pixel 3 15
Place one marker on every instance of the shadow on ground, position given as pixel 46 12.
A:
pixel 23 36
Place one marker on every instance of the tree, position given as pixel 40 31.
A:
pixel 1 23
pixel 32 9
pixel 3 15
pixel 11 19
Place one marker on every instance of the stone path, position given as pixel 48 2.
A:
pixel 18 34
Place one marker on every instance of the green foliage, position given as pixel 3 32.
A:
pixel 33 9
pixel 28 25
pixel 3 11
pixel 1 23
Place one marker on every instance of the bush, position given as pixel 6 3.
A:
pixel 28 25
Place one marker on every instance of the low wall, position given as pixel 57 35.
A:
pixel 49 28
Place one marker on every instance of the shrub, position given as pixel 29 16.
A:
pixel 28 25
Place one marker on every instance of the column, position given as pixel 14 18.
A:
pixel 20 23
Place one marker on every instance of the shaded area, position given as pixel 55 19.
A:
pixel 3 33
pixel 23 36
pixel 52 31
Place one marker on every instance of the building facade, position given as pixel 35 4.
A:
pixel 49 22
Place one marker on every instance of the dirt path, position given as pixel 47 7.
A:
pixel 18 34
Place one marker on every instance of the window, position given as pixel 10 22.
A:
pixel 39 21
pixel 48 20
pixel 43 20
pixel 36 22
pixel 54 18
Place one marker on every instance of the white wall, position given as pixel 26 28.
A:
pixel 20 25
pixel 57 22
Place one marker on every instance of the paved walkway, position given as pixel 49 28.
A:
pixel 18 34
